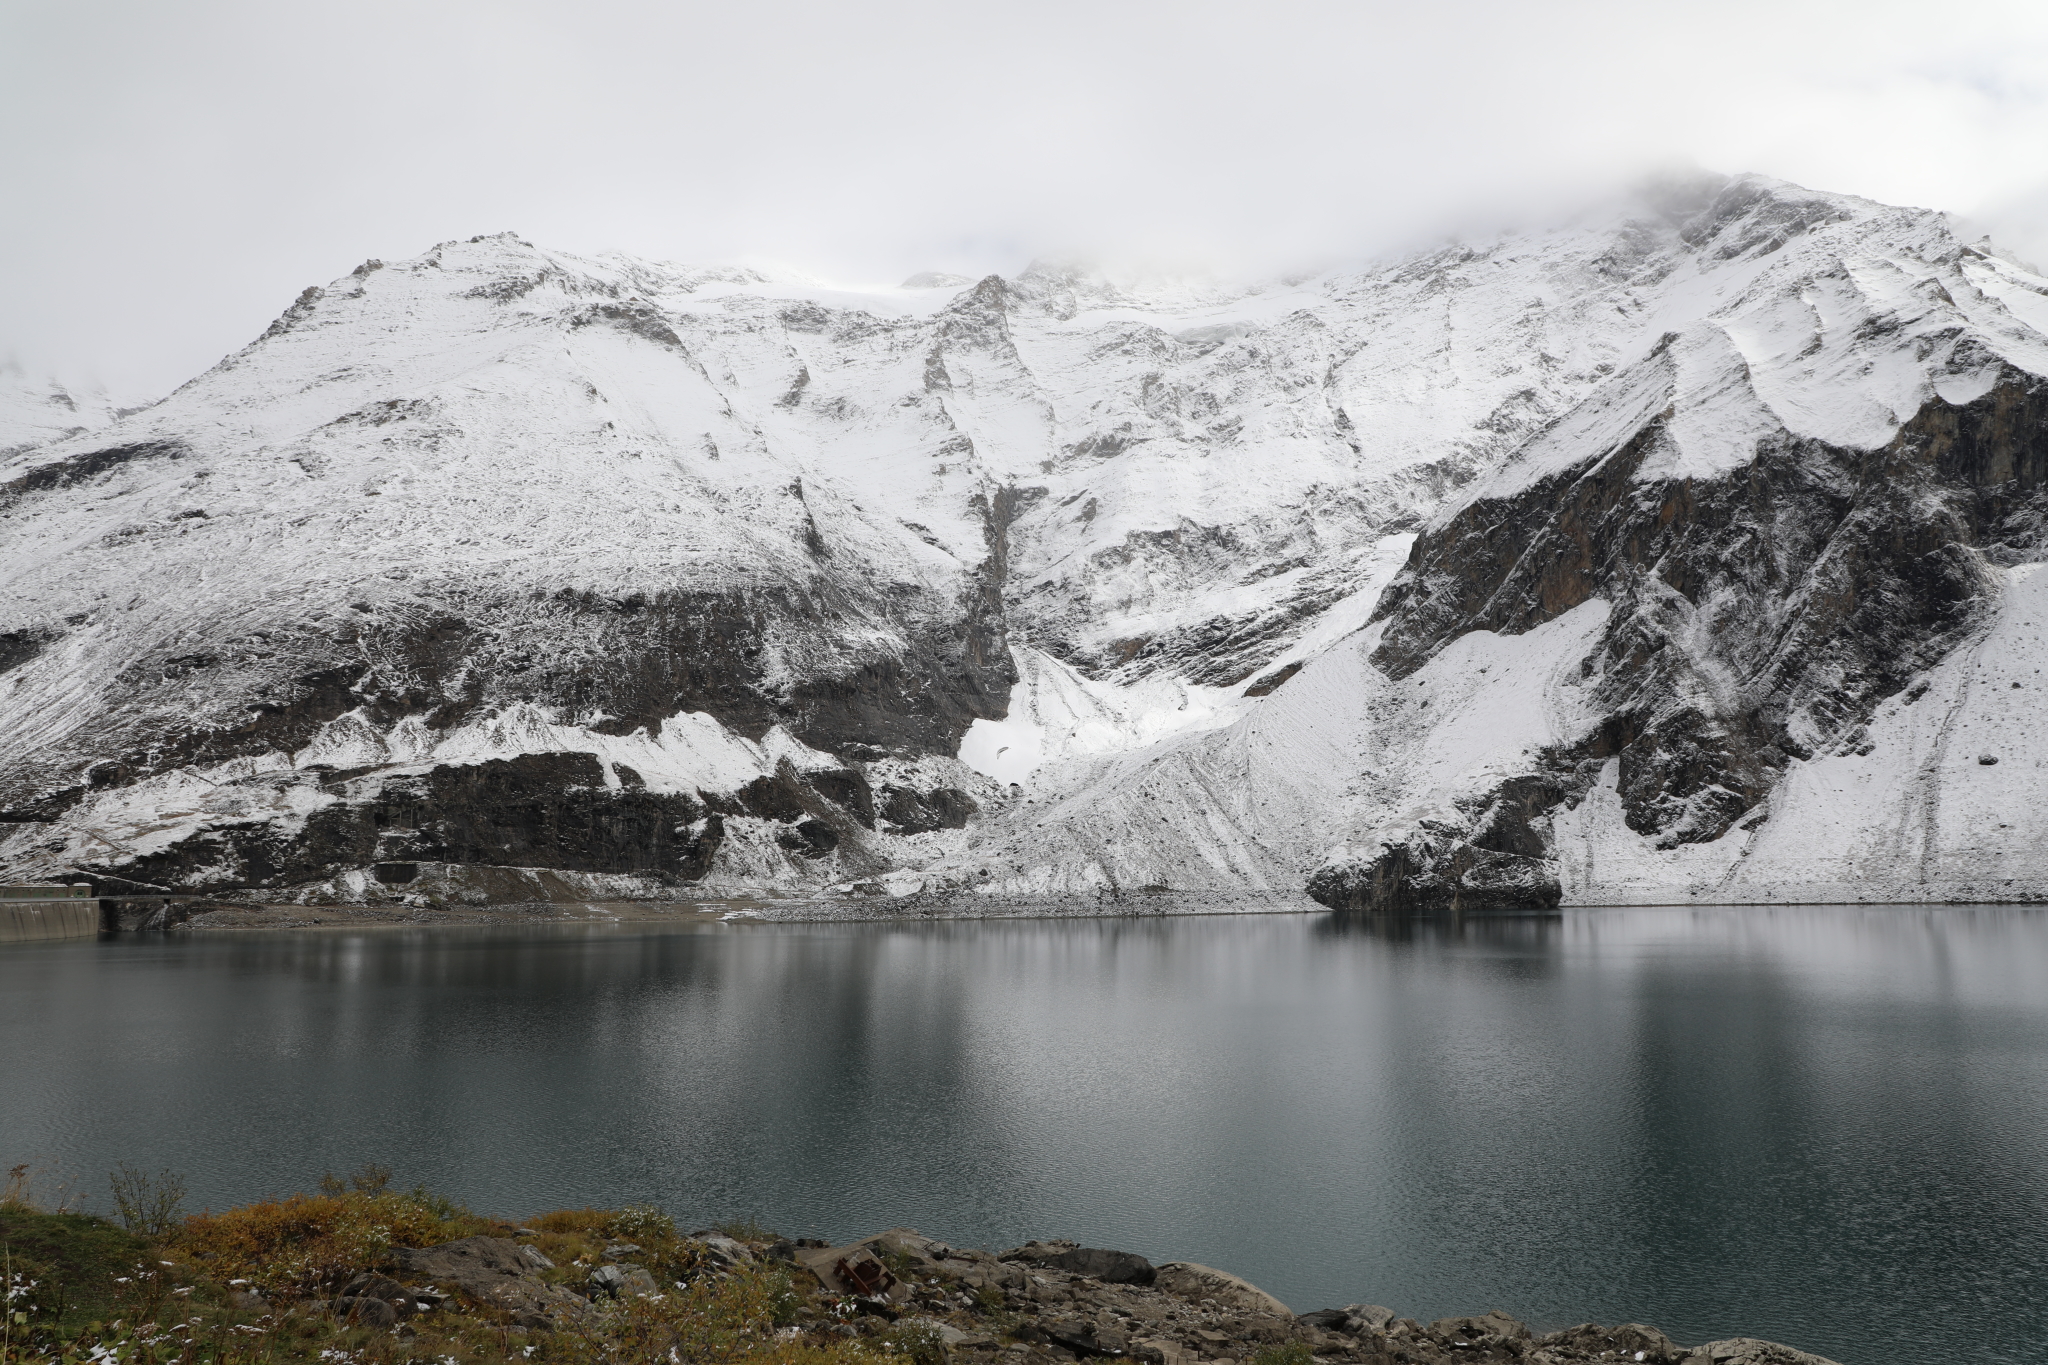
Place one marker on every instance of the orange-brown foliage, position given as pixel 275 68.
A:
pixel 311 1241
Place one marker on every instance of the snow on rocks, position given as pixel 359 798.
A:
pixel 727 578
pixel 36 411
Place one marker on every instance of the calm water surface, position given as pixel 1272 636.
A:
pixel 1824 1126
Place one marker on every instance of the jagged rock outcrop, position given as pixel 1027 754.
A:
pixel 1766 589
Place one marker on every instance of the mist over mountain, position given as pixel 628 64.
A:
pixel 1687 551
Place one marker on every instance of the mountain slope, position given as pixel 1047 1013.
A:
pixel 35 412
pixel 501 561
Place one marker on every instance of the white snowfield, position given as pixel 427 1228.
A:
pixel 1211 485
pixel 36 411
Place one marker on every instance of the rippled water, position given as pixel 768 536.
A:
pixel 1824 1126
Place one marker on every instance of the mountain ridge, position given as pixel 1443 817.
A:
pixel 750 585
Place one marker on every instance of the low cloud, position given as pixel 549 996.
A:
pixel 175 174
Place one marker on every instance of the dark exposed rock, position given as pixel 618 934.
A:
pixel 536 810
pixel 76 469
pixel 632 661
pixel 810 838
pixel 919 812
pixel 1112 1267
pixel 1822 578
pixel 19 646
pixel 846 789
pixel 1272 682
pixel 1352 1319
pixel 367 1312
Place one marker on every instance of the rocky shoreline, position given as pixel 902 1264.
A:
pixel 359 1274
pixel 200 913
pixel 1044 1303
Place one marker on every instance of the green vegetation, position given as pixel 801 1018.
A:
pixel 1287 1353
pixel 152 1206
pixel 257 1285
pixel 64 1265
pixel 748 1229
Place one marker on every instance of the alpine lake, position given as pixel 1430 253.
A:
pixel 1826 1126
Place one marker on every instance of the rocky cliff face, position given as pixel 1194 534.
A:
pixel 1397 583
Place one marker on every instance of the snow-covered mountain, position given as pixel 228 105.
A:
pixel 34 411
pixel 1679 552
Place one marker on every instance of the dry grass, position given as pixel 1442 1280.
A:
pixel 173 1299
pixel 312 1242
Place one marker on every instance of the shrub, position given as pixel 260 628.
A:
pixel 642 1223
pixel 594 1222
pixel 371 1179
pixel 748 1229
pixel 149 1206
pixel 1288 1353
pixel 727 1320
pixel 310 1242
pixel 917 1341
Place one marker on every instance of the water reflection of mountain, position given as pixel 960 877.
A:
pixel 1610 1114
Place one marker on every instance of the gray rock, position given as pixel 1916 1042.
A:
pixel 366 1312
pixel 467 1258
pixel 726 1251
pixel 947 1332
pixel 1353 1319
pixel 1038 1251
pixel 1197 1282
pixel 490 1270
pixel 535 1258
pixel 1113 1267
pixel 1751 1351
pixel 1497 1327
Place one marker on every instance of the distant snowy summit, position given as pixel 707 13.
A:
pixel 1687 552
pixel 35 410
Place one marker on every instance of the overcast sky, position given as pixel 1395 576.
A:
pixel 174 173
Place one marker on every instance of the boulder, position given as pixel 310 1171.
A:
pixel 725 1251
pixel 469 1258
pixel 925 1252
pixel 1353 1319
pixel 945 1331
pixel 1198 1282
pixel 490 1270
pixel 608 1281
pixel 1085 1338
pixel 1038 1250
pixel 365 1311
pixel 1113 1267
pixel 1751 1351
